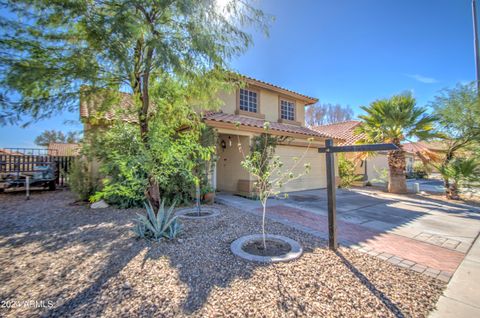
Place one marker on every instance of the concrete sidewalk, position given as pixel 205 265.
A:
pixel 461 299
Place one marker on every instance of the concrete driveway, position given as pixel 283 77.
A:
pixel 426 234
pixel 450 225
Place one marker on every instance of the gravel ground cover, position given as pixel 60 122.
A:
pixel 62 259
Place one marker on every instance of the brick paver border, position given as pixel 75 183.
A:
pixel 393 259
pixel 405 263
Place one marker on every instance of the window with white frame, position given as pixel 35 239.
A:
pixel 248 100
pixel 287 110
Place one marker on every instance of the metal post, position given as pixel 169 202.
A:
pixel 475 41
pixel 197 197
pixel 27 186
pixel 332 222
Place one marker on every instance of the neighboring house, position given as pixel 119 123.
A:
pixel 63 149
pixel 368 167
pixel 10 152
pixel 431 152
pixel 249 108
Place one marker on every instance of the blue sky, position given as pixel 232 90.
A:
pixel 344 51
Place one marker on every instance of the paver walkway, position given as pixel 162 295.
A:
pixel 425 254
pixel 461 299
pixel 427 236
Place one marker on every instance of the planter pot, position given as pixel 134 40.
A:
pixel 209 197
pixel 279 248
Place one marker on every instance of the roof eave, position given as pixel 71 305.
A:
pixel 308 100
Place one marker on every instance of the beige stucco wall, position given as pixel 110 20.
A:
pixel 229 100
pixel 229 168
pixel 268 105
pixel 409 161
pixel 378 162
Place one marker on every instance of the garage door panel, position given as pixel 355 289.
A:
pixel 314 180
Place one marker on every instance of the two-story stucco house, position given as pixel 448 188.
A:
pixel 242 116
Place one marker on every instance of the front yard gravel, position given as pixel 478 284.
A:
pixel 62 259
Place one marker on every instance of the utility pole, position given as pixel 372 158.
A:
pixel 475 37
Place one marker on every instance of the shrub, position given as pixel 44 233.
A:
pixel 160 162
pixel 420 170
pixel 155 227
pixel 460 172
pixel 346 171
pixel 82 179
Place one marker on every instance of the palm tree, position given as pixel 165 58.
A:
pixel 459 171
pixel 395 120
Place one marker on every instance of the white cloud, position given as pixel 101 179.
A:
pixel 422 79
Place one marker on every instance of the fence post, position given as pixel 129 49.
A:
pixel 27 186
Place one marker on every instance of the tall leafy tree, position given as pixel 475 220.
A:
pixel 49 49
pixel 324 114
pixel 49 136
pixel 458 110
pixel 395 120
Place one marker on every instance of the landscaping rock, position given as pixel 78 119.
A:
pixel 99 205
pixel 89 265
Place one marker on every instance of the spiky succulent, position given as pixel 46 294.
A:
pixel 155 227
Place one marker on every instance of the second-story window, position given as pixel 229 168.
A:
pixel 287 110
pixel 248 100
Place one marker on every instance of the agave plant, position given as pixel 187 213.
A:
pixel 155 227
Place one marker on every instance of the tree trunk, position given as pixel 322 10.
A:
pixel 450 188
pixel 153 191
pixel 264 204
pixel 452 191
pixel 397 182
pixel 140 86
pixel 153 194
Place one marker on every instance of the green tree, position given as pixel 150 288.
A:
pixel 171 156
pixel 48 136
pixel 49 49
pixel 395 120
pixel 458 110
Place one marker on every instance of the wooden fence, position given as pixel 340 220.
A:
pixel 21 161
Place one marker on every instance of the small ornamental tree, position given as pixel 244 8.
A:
pixel 268 170
pixel 458 111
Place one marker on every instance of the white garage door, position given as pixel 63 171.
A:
pixel 315 179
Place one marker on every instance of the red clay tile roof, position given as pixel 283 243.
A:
pixel 343 130
pixel 258 123
pixel 308 99
pixel 422 146
pixel 10 152
pixel 59 149
pixel 124 110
